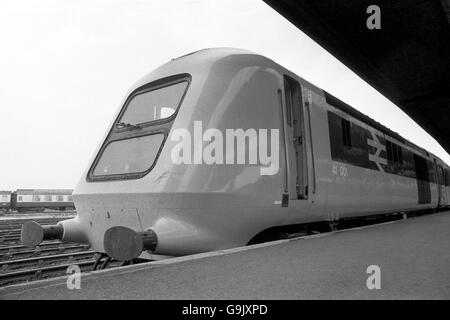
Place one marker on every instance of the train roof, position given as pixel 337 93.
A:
pixel 202 61
pixel 5 192
pixel 44 191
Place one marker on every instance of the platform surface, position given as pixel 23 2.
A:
pixel 413 256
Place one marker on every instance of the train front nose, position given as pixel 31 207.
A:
pixel 119 242
pixel 115 224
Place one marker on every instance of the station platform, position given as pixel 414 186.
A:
pixel 413 256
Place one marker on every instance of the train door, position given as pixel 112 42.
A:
pixel 444 199
pixel 447 184
pixel 295 134
pixel 440 183
pixel 422 179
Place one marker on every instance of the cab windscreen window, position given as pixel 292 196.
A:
pixel 156 104
pixel 134 143
pixel 135 155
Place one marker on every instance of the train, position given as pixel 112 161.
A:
pixel 36 200
pixel 218 147
pixel 5 200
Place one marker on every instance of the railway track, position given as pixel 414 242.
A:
pixel 10 229
pixel 18 247
pixel 16 224
pixel 33 269
pixel 44 249
pixel 42 273
pixel 9 239
pixel 7 266
pixel 9 232
pixel 19 263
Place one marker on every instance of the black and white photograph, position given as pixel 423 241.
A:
pixel 222 155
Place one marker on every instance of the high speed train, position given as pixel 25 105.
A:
pixel 36 200
pixel 215 147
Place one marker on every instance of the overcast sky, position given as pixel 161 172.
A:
pixel 66 65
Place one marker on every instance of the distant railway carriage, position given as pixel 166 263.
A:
pixel 5 200
pixel 328 162
pixel 41 199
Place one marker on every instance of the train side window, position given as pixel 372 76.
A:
pixel 400 155
pixel 389 151
pixel 19 198
pixel 394 153
pixel 441 175
pixel 431 172
pixel 36 198
pixel 346 133
pixel 48 198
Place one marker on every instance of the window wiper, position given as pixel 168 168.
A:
pixel 121 125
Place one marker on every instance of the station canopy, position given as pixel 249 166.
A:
pixel 407 59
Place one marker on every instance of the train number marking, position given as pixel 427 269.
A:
pixel 340 171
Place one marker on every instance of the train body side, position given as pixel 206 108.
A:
pixel 360 179
pixel 352 181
